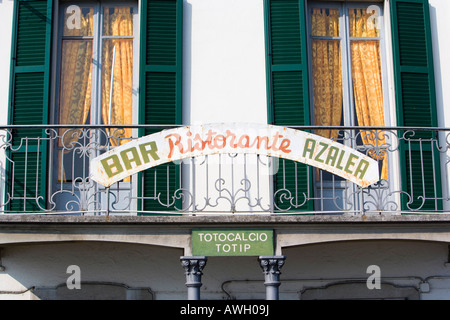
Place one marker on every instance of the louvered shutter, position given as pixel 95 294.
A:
pixel 29 99
pixel 288 91
pixel 160 83
pixel 416 102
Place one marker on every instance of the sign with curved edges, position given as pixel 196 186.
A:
pixel 199 140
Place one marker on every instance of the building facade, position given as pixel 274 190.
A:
pixel 238 138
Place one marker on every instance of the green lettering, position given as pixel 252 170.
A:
pixel 127 160
pixel 322 150
pixel 350 162
pixel 310 145
pixel 332 156
pixel 112 165
pixel 362 169
pixel 341 156
pixel 152 151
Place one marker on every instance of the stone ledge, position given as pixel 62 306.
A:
pixel 175 231
pixel 220 219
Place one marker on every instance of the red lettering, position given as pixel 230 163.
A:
pixel 232 136
pixel 189 141
pixel 240 142
pixel 275 141
pixel 217 141
pixel 209 138
pixel 200 146
pixel 172 144
pixel 258 141
pixel 285 143
pixel 220 141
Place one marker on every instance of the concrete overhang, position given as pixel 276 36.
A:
pixel 175 231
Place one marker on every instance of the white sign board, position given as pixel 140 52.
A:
pixel 193 141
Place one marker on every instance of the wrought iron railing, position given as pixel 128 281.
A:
pixel 45 170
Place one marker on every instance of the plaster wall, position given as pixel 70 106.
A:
pixel 439 10
pixel 39 271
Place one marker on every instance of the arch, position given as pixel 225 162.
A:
pixel 168 240
pixel 350 290
pixel 94 290
pixel 288 239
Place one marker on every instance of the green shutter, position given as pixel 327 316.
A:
pixel 288 90
pixel 416 102
pixel 160 83
pixel 29 99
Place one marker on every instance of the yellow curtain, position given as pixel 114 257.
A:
pixel 327 71
pixel 75 94
pixel 118 21
pixel 367 81
pixel 76 74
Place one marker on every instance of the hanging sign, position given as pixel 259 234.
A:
pixel 232 242
pixel 193 141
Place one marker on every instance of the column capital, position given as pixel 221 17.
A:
pixel 271 264
pixel 193 265
pixel 193 269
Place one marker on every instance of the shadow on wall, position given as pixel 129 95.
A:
pixel 445 158
pixel 94 291
pixel 104 271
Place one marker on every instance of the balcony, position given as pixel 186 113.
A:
pixel 45 170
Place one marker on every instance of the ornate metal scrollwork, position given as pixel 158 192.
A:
pixel 226 183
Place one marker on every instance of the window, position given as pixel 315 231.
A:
pixel 96 85
pixel 347 86
pixel 53 82
pixel 347 78
pixel 97 50
pixel 326 66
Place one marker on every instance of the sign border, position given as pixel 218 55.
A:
pixel 273 242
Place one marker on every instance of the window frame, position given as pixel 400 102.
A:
pixel 97 54
pixel 94 117
pixel 349 117
pixel 393 70
pixel 322 183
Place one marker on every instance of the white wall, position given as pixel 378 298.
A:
pixel 440 29
pixel 44 266
pixel 224 61
pixel 224 80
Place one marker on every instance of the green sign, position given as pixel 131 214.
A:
pixel 232 242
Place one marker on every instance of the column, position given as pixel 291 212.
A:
pixel 193 267
pixel 271 266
